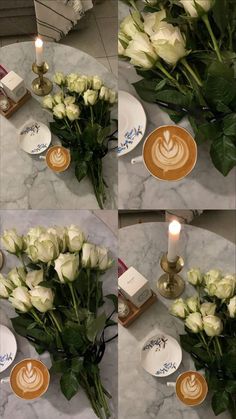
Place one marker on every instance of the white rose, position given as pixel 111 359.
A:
pixel 169 43
pixel 59 78
pixel 72 112
pixel 20 299
pixel 71 77
pixel 104 262
pixel 132 24
pixel 211 286
pixel 17 276
pixel 179 309
pixel 151 2
pixel 42 298
pixel 152 21
pixel 80 85
pixel 48 102
pixel 112 96
pixel 194 322
pixel 97 83
pixel 12 242
pixel 75 238
pixel 213 325
pixel 141 51
pixel 225 287
pixel 190 6
pixel 68 100
pixel 66 266
pixel 194 276
pixel 89 255
pixel 59 111
pixel 104 93
pixel 6 287
pixel 213 274
pixel 89 81
pixel 193 303
pixel 58 97
pixel 232 307
pixel 123 42
pixel 61 234
pixel 33 234
pixel 45 248
pixel 90 97
pixel 34 278
pixel 208 309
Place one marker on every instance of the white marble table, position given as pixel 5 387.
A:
pixel 205 187
pixel 27 182
pixel 53 404
pixel 142 396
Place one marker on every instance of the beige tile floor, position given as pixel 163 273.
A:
pixel 95 34
pixel 221 222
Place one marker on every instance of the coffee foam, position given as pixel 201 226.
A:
pixel 29 379
pixel 170 153
pixel 191 388
pixel 58 158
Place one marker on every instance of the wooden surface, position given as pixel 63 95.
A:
pixel 15 106
pixel 135 312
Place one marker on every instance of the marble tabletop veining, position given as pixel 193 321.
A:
pixel 204 187
pixel 53 404
pixel 142 396
pixel 27 182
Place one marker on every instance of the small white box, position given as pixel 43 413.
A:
pixel 14 86
pixel 134 287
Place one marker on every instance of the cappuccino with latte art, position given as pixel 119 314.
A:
pixel 29 379
pixel 170 153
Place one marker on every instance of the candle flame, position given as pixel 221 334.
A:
pixel 38 43
pixel 174 227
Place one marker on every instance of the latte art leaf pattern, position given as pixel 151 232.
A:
pixel 170 152
pixel 191 387
pixel 58 158
pixel 29 378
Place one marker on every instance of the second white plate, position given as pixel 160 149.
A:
pixel 161 355
pixel 8 347
pixel 35 137
pixel 132 122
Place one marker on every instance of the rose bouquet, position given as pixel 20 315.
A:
pixel 82 120
pixel 210 323
pixel 184 50
pixel 58 296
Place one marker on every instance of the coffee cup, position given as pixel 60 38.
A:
pixel 58 158
pixel 191 388
pixel 29 379
pixel 169 153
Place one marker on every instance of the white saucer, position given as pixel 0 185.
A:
pixel 132 122
pixel 35 137
pixel 161 355
pixel 8 348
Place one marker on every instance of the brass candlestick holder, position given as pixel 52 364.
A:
pixel 41 86
pixel 170 285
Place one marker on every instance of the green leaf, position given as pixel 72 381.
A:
pixel 160 85
pixel 219 89
pixel 220 402
pixel 231 386
pixel 69 384
pixel 74 334
pixel 146 90
pixel 77 364
pixel 220 14
pixel 81 170
pixel 32 326
pixel 229 125
pixel 218 69
pixel 114 299
pixel 96 327
pixel 60 366
pixel 223 154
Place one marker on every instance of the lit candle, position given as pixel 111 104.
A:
pixel 174 232
pixel 39 51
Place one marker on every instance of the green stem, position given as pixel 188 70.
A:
pixel 54 320
pixel 96 306
pixel 218 345
pixel 97 194
pixel 208 26
pixel 168 75
pixel 74 301
pixel 78 127
pixel 101 396
pixel 88 297
pixel 22 261
pixel 94 403
pixel 92 116
pixel 191 71
pixel 205 344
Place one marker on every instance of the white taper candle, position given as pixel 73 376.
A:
pixel 39 51
pixel 173 241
